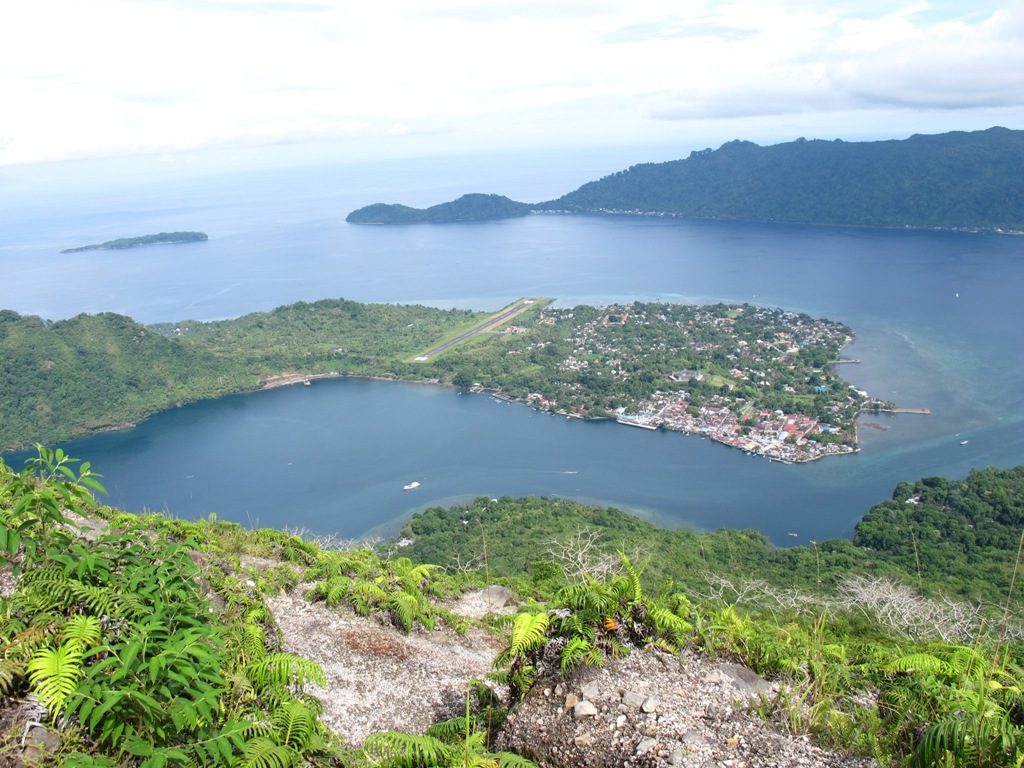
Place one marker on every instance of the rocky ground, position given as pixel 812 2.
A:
pixel 654 709
pixel 647 709
pixel 379 679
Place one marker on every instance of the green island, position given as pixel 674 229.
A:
pixel 471 207
pixel 161 238
pixel 972 181
pixel 753 378
pixel 142 641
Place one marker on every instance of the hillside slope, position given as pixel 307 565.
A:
pixel 471 207
pixel 969 180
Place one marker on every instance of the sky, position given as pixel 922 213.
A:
pixel 395 78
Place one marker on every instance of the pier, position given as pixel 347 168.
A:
pixel 921 411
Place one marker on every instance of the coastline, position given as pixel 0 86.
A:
pixel 291 378
pixel 683 217
pixel 773 450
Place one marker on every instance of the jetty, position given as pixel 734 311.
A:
pixel 921 411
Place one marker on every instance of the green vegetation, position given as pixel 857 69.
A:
pixel 739 374
pixel 472 207
pixel 961 533
pixel 92 372
pixel 951 180
pixel 149 643
pixel 912 689
pixel 942 527
pixel 161 238
pixel 118 638
pixel 755 371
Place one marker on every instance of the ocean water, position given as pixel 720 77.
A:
pixel 938 317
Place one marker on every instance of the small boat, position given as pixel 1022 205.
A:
pixel 410 486
pixel 964 442
pixel 306 383
pixel 792 534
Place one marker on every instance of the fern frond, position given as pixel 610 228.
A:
pixel 528 632
pixel 84 630
pixel 366 596
pixel 636 592
pixel 11 673
pixel 253 642
pixel 261 752
pixel 574 652
pixel 53 674
pixel 510 760
pixel 295 724
pixel 453 729
pixel 285 669
pixel 401 750
pixel 920 662
pixel 668 623
pixel 404 609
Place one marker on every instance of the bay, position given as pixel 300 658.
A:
pixel 938 317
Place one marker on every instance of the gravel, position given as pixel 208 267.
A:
pixel 654 709
pixel 377 678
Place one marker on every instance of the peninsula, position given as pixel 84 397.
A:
pixel 472 207
pixel 753 378
pixel 161 238
pixel 972 181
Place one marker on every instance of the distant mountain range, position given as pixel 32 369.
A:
pixel 959 180
pixel 472 207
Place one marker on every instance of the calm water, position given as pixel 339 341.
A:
pixel 939 320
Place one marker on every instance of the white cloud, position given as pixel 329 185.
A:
pixel 127 76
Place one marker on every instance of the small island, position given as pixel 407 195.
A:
pixel 161 238
pixel 471 207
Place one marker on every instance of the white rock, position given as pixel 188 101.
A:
pixel 646 746
pixel 584 709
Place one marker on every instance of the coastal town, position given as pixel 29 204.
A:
pixel 757 379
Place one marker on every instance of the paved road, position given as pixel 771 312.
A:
pixel 491 322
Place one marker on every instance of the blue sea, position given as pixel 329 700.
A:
pixel 938 316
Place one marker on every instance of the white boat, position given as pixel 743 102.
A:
pixel 410 486
pixel 964 442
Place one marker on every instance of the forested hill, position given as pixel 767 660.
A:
pixel 952 180
pixel 472 207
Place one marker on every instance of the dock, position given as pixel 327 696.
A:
pixel 921 411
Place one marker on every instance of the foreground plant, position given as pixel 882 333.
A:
pixel 587 622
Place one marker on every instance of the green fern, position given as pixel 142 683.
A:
pixel 285 669
pixel 84 630
pixel 528 632
pixel 295 724
pixel 261 752
pixel 453 729
pixel 668 623
pixel 636 592
pixel 405 609
pixel 400 750
pixel 367 596
pixel 579 651
pixel 509 760
pixel 54 674
pixel 920 662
